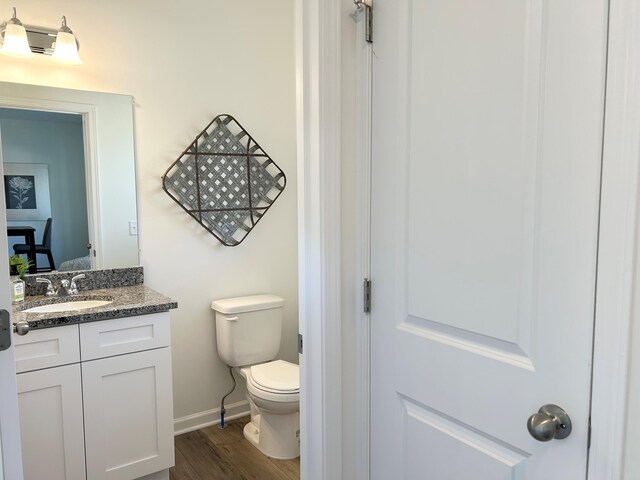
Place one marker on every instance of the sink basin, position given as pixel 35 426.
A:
pixel 68 306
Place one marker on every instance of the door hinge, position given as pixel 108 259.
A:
pixel 299 343
pixel 367 6
pixel 368 18
pixel 5 330
pixel 367 295
pixel 589 435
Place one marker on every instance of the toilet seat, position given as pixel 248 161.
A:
pixel 276 377
pixel 277 381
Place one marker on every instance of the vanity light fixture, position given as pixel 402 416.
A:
pixel 66 46
pixel 61 45
pixel 15 41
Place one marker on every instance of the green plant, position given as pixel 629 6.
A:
pixel 20 264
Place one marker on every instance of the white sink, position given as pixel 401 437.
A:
pixel 68 306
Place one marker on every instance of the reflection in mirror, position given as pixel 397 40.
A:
pixel 46 148
pixel 79 145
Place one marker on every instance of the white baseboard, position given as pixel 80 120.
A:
pixel 207 418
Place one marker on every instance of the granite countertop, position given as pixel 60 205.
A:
pixel 127 302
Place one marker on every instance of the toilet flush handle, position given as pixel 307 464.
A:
pixel 231 319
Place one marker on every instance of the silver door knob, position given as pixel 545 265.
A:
pixel 550 422
pixel 21 327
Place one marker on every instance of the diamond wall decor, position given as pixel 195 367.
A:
pixel 225 180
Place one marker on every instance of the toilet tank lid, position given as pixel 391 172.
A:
pixel 247 304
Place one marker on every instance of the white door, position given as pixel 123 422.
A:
pixel 487 141
pixel 10 458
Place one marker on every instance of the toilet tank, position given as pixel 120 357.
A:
pixel 248 329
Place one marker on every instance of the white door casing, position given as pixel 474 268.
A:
pixel 10 454
pixel 487 143
pixel 318 113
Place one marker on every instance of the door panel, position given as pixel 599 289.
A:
pixel 487 139
pixel 470 67
pixel 458 452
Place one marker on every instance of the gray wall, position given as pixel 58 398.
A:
pixel 54 139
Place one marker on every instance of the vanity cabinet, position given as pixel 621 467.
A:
pixel 128 399
pixel 104 386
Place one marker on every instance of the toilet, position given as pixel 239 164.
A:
pixel 248 331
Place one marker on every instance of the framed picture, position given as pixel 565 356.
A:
pixel 26 191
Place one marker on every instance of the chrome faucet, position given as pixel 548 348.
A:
pixel 50 290
pixel 71 288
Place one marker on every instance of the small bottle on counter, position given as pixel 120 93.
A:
pixel 17 290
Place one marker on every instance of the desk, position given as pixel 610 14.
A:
pixel 29 236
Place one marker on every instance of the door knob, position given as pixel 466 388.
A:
pixel 550 422
pixel 21 328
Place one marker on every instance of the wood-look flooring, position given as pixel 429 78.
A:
pixel 216 454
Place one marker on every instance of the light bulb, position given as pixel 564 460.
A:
pixel 15 39
pixel 66 47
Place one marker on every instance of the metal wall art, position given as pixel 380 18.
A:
pixel 224 180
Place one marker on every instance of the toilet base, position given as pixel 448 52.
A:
pixel 276 436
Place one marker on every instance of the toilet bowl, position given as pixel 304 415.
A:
pixel 273 392
pixel 248 331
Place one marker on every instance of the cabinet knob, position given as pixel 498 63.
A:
pixel 21 328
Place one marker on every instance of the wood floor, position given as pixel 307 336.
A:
pixel 216 454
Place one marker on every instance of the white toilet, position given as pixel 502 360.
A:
pixel 248 333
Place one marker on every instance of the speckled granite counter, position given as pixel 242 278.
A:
pixel 93 279
pixel 126 302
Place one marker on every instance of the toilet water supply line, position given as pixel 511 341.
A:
pixel 222 410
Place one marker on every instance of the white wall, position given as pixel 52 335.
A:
pixel 185 62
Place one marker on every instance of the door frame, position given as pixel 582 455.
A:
pixel 617 243
pixel 319 76
pixel 319 134
pixel 10 446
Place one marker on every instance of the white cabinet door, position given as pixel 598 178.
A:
pixel 50 403
pixel 128 405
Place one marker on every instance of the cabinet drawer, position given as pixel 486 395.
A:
pixel 48 347
pixel 124 335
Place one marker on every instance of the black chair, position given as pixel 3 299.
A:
pixel 44 247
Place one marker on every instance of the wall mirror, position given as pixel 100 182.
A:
pixel 81 145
